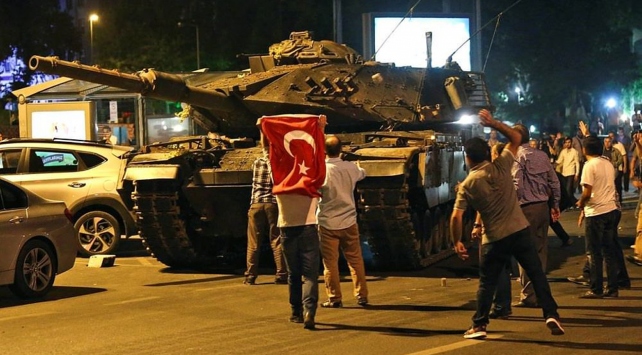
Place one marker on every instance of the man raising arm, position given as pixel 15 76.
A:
pixel 514 139
pixel 488 189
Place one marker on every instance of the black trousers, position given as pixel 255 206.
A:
pixel 494 258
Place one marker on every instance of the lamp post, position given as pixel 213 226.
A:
pixel 92 18
pixel 198 50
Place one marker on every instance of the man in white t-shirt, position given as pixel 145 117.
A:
pixel 599 204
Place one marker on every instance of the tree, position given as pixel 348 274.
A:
pixel 226 29
pixel 31 27
pixel 572 53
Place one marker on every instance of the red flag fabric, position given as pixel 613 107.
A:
pixel 297 153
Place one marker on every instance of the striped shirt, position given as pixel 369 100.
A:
pixel 262 181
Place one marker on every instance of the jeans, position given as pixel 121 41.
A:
pixel 623 278
pixel 567 183
pixel 600 237
pixel 300 247
pixel 502 297
pixel 495 256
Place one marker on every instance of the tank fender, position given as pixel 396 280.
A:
pixel 152 172
pixel 385 162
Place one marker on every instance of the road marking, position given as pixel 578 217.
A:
pixel 455 346
pixel 133 300
pixel 145 261
pixel 26 316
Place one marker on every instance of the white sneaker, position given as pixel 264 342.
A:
pixel 476 332
pixel 555 326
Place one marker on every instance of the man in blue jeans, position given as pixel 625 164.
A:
pixel 599 204
pixel 489 190
pixel 297 197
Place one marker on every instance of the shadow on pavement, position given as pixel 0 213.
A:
pixel 189 282
pixel 419 308
pixel 415 332
pixel 8 299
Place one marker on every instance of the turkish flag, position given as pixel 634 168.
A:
pixel 297 153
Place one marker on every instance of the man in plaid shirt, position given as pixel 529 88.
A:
pixel 262 217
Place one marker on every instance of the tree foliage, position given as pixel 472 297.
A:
pixel 36 27
pixel 572 55
pixel 226 29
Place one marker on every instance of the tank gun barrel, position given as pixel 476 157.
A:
pixel 147 82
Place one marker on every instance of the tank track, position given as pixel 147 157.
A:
pixel 161 223
pixel 385 220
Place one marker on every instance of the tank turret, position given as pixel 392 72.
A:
pixel 300 75
pixel 191 195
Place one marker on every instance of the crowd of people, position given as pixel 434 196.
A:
pixel 518 190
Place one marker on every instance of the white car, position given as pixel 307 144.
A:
pixel 36 242
pixel 84 175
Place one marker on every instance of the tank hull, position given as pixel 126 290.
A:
pixel 191 197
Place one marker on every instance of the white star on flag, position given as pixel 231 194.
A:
pixel 303 169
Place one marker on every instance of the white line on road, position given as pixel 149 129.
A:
pixel 31 315
pixel 133 300
pixel 145 261
pixel 454 346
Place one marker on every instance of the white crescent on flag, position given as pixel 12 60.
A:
pixel 298 134
pixel 304 136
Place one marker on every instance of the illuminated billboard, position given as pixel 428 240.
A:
pixel 393 39
pixel 70 120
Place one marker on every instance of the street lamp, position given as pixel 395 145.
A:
pixel 198 50
pixel 92 18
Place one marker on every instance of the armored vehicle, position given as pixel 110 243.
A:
pixel 191 195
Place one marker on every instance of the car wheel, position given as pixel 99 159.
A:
pixel 97 232
pixel 35 270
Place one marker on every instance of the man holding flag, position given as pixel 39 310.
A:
pixel 297 157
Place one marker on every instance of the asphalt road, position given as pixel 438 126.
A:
pixel 139 306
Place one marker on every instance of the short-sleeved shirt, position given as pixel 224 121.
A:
pixel 600 175
pixel 489 190
pixel 337 207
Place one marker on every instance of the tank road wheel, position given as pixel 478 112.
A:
pixel 97 232
pixel 35 270
pixel 161 216
pixel 387 222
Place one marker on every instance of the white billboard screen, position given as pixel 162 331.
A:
pixel 407 43
pixel 59 124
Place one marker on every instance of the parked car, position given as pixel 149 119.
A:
pixel 84 175
pixel 36 242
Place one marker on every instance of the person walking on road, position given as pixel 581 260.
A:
pixel 600 210
pixel 338 227
pixel 298 169
pixel 488 189
pixel 261 217
pixel 536 185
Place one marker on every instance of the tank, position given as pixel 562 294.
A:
pixel 191 195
